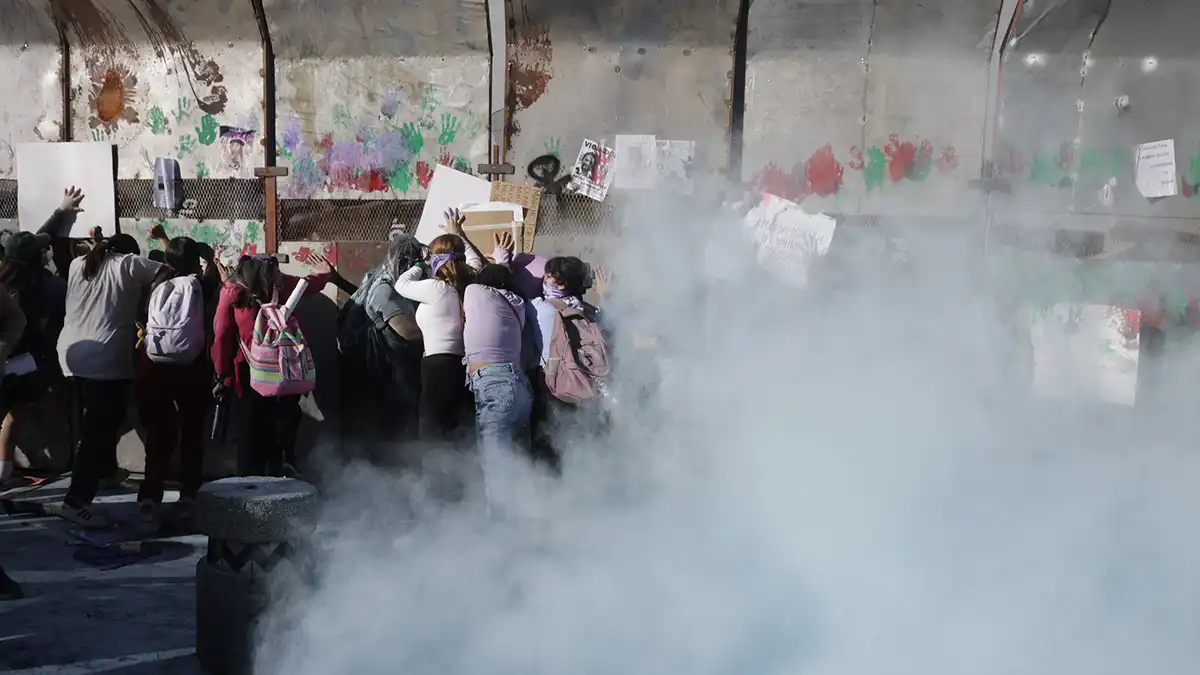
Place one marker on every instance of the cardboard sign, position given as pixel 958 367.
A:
pixel 481 222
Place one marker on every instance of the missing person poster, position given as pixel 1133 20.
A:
pixel 593 171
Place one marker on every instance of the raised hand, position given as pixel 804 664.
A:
pixel 454 222
pixel 504 240
pixel 72 198
pixel 321 264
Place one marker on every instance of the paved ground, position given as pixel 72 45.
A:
pixel 81 616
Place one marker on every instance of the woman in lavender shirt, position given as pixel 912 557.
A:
pixel 493 338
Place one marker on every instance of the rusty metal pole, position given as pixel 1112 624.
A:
pixel 269 172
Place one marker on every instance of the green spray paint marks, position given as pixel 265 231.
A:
pixel 474 125
pixel 462 164
pixel 412 137
pixel 1048 170
pixel 429 102
pixel 183 108
pixel 207 131
pixel 1100 164
pixel 187 145
pixel 158 121
pixel 282 151
pixel 553 147
pixel 875 169
pixel 450 128
pixel 1191 182
pixel 201 170
pixel 401 179
pixel 252 230
pixel 209 234
pixel 341 116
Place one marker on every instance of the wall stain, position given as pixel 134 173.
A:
pixel 167 39
pixel 529 73
pixel 113 92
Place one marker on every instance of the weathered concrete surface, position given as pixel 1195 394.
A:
pixel 168 78
pixel 32 62
pixel 869 107
pixel 371 95
pixel 595 70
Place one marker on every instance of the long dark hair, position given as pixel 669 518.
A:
pixel 255 280
pixel 183 255
pixel 456 272
pixel 117 244
pixel 499 277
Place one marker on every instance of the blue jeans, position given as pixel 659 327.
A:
pixel 503 402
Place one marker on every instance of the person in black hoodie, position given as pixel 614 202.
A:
pixel 12 327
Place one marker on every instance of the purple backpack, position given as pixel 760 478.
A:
pixel 578 362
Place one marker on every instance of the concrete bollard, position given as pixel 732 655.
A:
pixel 253 526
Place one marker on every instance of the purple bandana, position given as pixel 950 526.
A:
pixel 553 292
pixel 437 260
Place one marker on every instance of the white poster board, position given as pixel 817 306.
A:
pixel 637 162
pixel 449 189
pixel 788 238
pixel 1155 171
pixel 594 169
pixel 1086 353
pixel 44 170
pixel 675 165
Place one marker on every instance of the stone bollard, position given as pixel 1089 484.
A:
pixel 253 527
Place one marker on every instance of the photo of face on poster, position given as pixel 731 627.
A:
pixel 236 146
pixel 591 176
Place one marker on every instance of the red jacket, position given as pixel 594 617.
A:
pixel 232 325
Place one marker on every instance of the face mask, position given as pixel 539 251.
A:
pixel 553 292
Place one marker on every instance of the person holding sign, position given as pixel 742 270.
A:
pixel 452 265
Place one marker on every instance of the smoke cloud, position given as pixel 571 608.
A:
pixel 847 479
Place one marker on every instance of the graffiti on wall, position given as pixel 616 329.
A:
pixel 230 239
pixel 380 153
pixel 1191 180
pixel 1063 166
pixel 126 47
pixel 822 175
pixel 529 73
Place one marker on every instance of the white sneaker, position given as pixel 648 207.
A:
pixel 82 516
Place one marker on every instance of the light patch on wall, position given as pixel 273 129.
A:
pixel 1149 64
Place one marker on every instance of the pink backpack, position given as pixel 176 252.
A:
pixel 281 364
pixel 578 362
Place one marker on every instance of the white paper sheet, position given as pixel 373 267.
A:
pixel 1156 174
pixel 1086 353
pixel 788 238
pixel 44 170
pixel 593 172
pixel 449 189
pixel 675 160
pixel 637 162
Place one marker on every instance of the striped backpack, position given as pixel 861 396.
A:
pixel 281 364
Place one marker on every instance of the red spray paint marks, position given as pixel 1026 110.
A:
pixel 424 174
pixel 901 157
pixel 1011 162
pixel 1189 190
pixel 776 181
pixel 856 159
pixel 823 173
pixel 948 161
pixel 446 159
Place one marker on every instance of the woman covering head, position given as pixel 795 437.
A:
pixel 96 347
pixel 494 338
pixel 381 354
pixel 42 298
pixel 453 260
pixel 267 439
pixel 174 391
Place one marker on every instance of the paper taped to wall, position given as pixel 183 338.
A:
pixel 44 170
pixel 449 189
pixel 675 160
pixel 637 163
pixel 593 172
pixel 1086 353
pixel 1156 173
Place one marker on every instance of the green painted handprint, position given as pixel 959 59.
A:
pixel 207 131
pixel 341 115
pixel 450 129
pixel 183 108
pixel 187 145
pixel 201 170
pixel 412 137
pixel 553 147
pixel 158 121
pixel 401 179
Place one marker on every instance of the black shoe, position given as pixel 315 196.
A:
pixel 9 589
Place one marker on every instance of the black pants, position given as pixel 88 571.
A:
pixel 447 406
pixel 104 403
pixel 541 448
pixel 267 433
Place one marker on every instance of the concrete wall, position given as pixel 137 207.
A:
pixel 869 107
pixel 372 94
pixel 595 70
